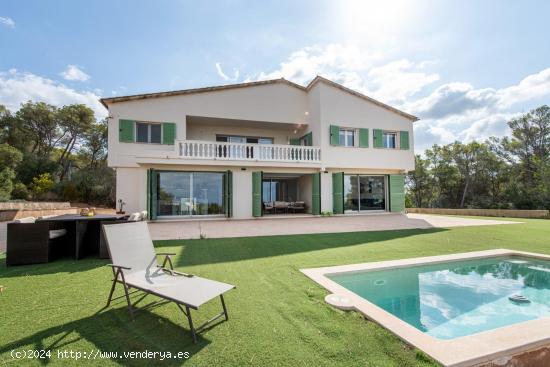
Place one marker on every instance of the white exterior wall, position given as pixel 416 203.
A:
pixel 323 105
pixel 345 110
pixel 209 132
pixel 271 103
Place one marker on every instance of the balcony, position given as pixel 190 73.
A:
pixel 213 150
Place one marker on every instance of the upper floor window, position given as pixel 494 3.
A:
pixel 243 139
pixel 147 132
pixel 389 139
pixel 347 137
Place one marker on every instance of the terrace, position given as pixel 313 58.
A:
pixel 277 315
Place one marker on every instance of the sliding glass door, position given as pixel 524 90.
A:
pixel 190 193
pixel 372 193
pixel 364 193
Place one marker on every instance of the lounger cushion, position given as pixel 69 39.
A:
pixel 56 233
pixel 193 291
pixel 130 245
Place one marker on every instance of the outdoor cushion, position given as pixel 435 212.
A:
pixel 26 220
pixel 193 291
pixel 47 216
pixel 134 217
pixel 56 233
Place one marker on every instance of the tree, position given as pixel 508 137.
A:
pixel 9 160
pixel 9 156
pixel 6 183
pixel 75 121
pixel 528 151
pixel 420 183
pixel 94 149
pixel 39 122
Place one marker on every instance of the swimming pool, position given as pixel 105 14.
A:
pixel 461 309
pixel 458 298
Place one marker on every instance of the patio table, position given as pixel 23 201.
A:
pixel 83 232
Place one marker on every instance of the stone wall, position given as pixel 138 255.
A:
pixel 15 210
pixel 511 213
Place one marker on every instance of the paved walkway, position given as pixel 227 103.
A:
pixel 272 226
pixel 281 226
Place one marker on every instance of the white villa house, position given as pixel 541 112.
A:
pixel 257 149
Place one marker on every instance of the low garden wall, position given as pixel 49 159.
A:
pixel 512 213
pixel 20 209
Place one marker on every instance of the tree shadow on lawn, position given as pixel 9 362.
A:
pixel 218 250
pixel 113 331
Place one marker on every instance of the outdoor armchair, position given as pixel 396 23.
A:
pixel 135 266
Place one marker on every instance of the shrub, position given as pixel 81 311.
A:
pixel 41 184
pixel 19 191
pixel 6 185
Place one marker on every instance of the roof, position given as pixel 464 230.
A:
pixel 317 79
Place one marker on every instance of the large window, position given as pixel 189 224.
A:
pixel 190 193
pixel 389 139
pixel 364 193
pixel 244 139
pixel 280 190
pixel 347 137
pixel 148 132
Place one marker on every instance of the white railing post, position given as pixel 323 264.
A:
pixel 195 149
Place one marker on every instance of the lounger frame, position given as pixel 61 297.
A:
pixel 118 277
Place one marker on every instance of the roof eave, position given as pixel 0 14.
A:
pixel 319 78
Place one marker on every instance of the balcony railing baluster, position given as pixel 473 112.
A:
pixel 195 149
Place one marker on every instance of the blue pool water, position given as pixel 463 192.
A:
pixel 458 298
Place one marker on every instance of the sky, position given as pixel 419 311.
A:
pixel 464 67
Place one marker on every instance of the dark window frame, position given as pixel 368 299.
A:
pixel 148 124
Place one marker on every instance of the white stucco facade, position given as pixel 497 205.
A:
pixel 276 110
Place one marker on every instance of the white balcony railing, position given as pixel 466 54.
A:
pixel 197 149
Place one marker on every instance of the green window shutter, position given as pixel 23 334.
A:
pixel 168 133
pixel 397 193
pixel 338 192
pixel 148 194
pixel 309 139
pixel 316 193
pixel 364 138
pixel 126 131
pixel 257 194
pixel 294 141
pixel 153 193
pixel 404 140
pixel 228 194
pixel 334 135
pixel 377 136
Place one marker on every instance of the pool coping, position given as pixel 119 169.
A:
pixel 463 351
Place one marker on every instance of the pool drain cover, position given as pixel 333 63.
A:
pixel 340 302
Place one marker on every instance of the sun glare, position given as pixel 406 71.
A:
pixel 373 19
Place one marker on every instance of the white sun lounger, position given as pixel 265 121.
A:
pixel 135 266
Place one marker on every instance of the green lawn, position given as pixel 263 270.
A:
pixel 277 315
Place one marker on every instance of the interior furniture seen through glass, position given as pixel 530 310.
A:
pixel 190 193
pixel 364 193
pixel 235 151
pixel 280 190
